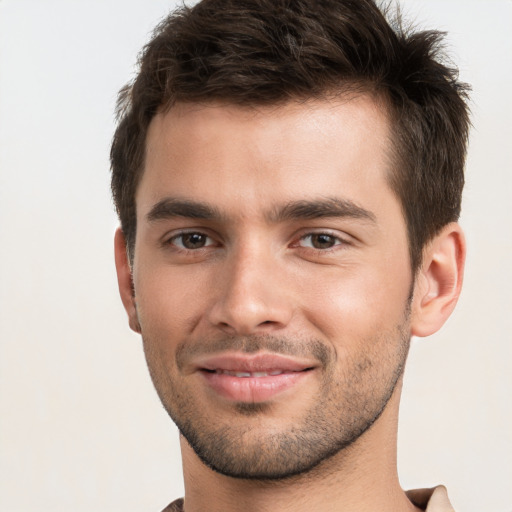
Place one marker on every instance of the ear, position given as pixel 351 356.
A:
pixel 124 280
pixel 439 281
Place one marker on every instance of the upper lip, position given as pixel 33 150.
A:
pixel 261 362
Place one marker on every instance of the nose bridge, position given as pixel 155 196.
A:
pixel 250 298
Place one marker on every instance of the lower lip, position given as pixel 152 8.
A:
pixel 252 389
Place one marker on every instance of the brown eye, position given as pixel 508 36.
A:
pixel 191 241
pixel 320 241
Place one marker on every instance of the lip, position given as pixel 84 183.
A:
pixel 253 378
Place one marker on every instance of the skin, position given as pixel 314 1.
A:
pixel 328 286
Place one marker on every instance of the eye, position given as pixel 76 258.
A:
pixel 191 241
pixel 320 241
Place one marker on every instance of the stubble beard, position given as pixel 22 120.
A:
pixel 350 399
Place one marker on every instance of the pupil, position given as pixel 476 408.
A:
pixel 193 241
pixel 323 241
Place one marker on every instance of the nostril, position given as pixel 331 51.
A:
pixel 243 314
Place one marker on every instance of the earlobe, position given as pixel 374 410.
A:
pixel 439 281
pixel 124 280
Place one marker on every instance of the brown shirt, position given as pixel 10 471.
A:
pixel 430 500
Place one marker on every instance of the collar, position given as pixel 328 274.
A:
pixel 431 500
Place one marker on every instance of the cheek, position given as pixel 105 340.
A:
pixel 358 303
pixel 169 304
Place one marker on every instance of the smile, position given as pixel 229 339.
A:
pixel 242 374
pixel 253 378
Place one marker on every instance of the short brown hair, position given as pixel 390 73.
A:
pixel 258 52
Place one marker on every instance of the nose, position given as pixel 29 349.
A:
pixel 252 295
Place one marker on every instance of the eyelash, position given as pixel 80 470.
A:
pixel 172 240
pixel 338 242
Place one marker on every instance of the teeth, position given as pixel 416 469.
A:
pixel 249 374
pixel 242 374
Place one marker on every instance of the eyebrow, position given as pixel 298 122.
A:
pixel 320 208
pixel 169 208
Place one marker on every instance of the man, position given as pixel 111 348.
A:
pixel 288 176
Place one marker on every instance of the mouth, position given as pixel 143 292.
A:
pixel 256 375
pixel 253 378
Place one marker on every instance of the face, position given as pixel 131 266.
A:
pixel 271 279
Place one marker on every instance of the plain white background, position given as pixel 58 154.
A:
pixel 80 425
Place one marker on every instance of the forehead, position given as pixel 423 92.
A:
pixel 251 158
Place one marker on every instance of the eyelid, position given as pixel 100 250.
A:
pixel 343 237
pixel 169 238
pixel 338 240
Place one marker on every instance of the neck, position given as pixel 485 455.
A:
pixel 360 478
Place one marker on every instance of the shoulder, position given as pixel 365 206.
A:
pixel 175 506
pixel 431 500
